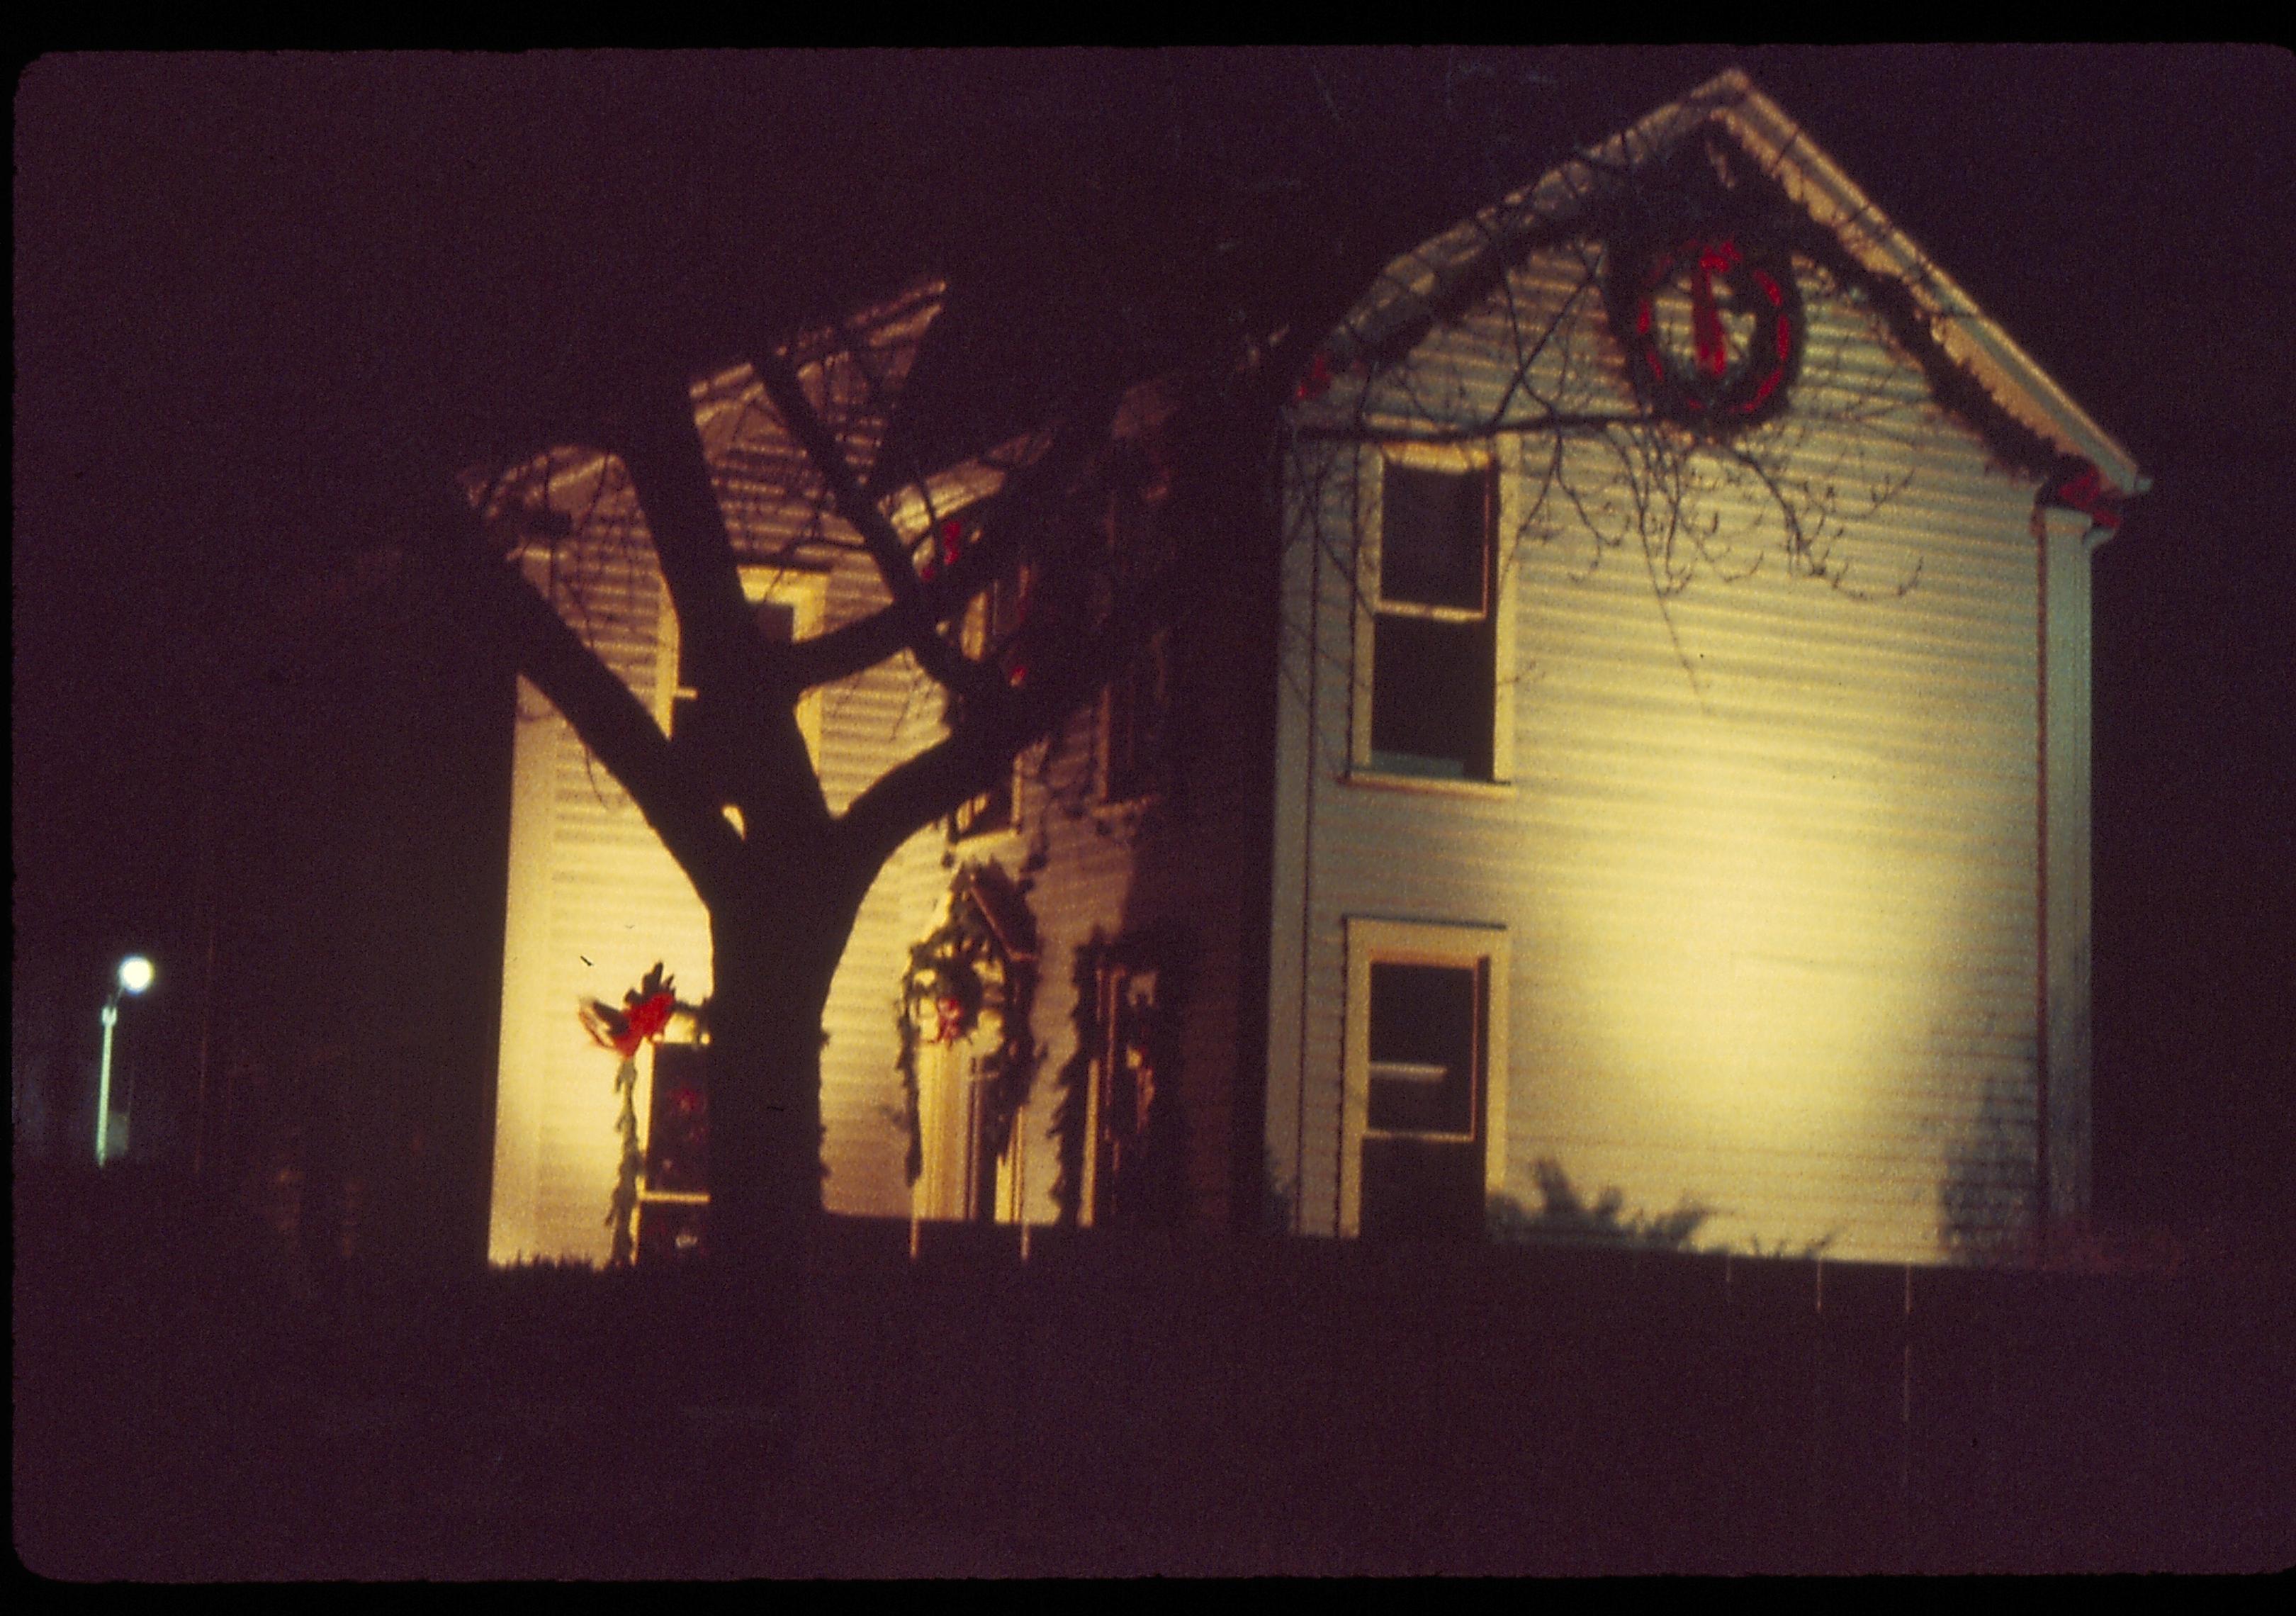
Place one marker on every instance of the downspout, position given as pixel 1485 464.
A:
pixel 1306 901
pixel 2041 884
pixel 2077 489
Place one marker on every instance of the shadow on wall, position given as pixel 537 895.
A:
pixel 1985 1201
pixel 1564 1217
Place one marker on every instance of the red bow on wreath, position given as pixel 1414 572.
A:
pixel 950 1009
pixel 646 1012
pixel 1714 257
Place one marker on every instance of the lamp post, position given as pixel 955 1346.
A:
pixel 135 976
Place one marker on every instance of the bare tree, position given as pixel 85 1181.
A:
pixel 780 875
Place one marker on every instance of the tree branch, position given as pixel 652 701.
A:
pixel 867 641
pixel 609 719
pixel 751 740
pixel 919 627
pixel 981 747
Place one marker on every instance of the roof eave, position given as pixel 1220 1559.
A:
pixel 1969 337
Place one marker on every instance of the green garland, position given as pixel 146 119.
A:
pixel 644 1018
pixel 957 973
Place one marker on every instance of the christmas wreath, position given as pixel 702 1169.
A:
pixel 1711 326
pixel 963 978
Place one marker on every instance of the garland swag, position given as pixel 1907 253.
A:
pixel 976 968
pixel 645 1016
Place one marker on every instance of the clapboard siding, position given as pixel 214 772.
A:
pixel 1766 860
pixel 1170 868
pixel 592 884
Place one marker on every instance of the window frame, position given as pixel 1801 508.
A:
pixel 1116 978
pixel 972 640
pixel 1110 791
pixel 1370 941
pixel 1366 766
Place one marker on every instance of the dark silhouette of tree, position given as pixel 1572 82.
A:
pixel 783 877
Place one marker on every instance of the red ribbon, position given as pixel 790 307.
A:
pixel 2081 487
pixel 1714 257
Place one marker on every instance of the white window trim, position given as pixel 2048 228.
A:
pixel 1367 608
pixel 1420 943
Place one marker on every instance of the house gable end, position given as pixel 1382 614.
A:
pixel 1974 368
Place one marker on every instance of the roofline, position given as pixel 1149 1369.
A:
pixel 1970 336
pixel 721 396
pixel 1967 336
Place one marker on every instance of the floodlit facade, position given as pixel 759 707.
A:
pixel 1649 802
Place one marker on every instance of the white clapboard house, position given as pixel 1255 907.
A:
pixel 1648 801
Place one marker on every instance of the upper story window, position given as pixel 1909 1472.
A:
pixel 1134 729
pixel 1433 628
pixel 777 621
pixel 990 622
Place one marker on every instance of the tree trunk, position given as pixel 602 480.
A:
pixel 770 988
pixel 774 953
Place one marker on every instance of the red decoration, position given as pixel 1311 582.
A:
pixel 648 1020
pixel 1711 385
pixel 644 1015
pixel 1706 326
pixel 2079 485
pixel 946 542
pixel 949 1012
pixel 1317 381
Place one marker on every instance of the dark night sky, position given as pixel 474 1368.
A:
pixel 259 300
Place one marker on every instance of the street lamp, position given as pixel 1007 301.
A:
pixel 135 976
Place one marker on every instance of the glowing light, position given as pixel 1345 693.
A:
pixel 135 976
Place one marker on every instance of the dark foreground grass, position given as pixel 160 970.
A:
pixel 192 1403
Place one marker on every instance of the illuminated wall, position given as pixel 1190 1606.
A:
pixel 1765 847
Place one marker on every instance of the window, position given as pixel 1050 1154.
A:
pixel 1132 723
pixel 989 624
pixel 1130 1159
pixel 1425 1108
pixel 1432 639
pixel 674 1194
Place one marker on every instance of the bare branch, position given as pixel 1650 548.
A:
pixel 920 630
pixel 756 749
pixel 609 719
pixel 867 641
